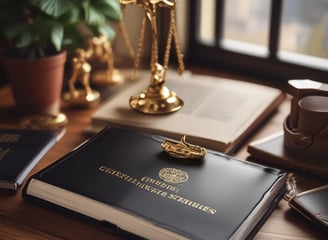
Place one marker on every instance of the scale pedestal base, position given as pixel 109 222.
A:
pixel 156 100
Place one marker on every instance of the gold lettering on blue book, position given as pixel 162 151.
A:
pixel 9 137
pixel 160 184
pixel 134 181
pixel 193 204
pixel 158 188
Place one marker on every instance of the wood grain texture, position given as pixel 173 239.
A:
pixel 20 219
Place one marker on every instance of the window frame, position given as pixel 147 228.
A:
pixel 264 68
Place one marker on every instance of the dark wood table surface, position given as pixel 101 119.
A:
pixel 20 219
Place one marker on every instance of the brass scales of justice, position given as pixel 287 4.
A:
pixel 157 98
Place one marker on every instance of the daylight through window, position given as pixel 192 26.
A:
pixel 290 36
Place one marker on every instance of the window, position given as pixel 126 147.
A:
pixel 271 39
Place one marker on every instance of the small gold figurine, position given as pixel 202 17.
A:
pixel 157 99
pixel 99 48
pixel 81 72
pixel 183 149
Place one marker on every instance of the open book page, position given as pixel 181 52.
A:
pixel 215 114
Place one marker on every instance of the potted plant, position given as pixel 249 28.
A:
pixel 43 31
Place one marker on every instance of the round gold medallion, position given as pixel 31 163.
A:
pixel 173 175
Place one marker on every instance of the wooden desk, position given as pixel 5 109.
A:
pixel 23 220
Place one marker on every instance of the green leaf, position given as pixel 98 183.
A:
pixel 57 35
pixel 20 34
pixel 110 8
pixel 72 39
pixel 24 40
pixel 93 17
pixel 107 31
pixel 70 17
pixel 53 8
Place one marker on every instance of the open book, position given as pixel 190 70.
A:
pixel 218 113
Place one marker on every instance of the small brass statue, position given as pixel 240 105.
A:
pixel 81 72
pixel 157 99
pixel 99 48
pixel 306 128
pixel 183 149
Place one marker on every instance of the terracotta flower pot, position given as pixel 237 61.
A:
pixel 36 84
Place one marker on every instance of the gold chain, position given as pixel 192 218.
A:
pixel 140 48
pixel 173 32
pixel 126 38
pixel 168 44
pixel 154 51
pixel 181 66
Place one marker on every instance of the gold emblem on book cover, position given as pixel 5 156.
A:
pixel 9 138
pixel 183 149
pixel 173 175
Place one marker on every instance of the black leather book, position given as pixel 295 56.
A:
pixel 124 178
pixel 313 204
pixel 20 151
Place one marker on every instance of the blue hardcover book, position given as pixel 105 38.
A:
pixel 20 151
